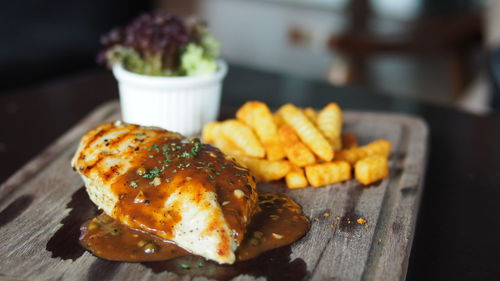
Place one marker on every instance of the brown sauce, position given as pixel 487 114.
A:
pixel 177 170
pixel 278 223
pixel 109 239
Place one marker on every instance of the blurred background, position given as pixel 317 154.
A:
pixel 441 52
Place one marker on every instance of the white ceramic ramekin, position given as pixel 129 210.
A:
pixel 180 104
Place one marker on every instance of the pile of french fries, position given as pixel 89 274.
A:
pixel 301 145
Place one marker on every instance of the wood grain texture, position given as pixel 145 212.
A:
pixel 35 204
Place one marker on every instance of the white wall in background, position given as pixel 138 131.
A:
pixel 255 33
pixel 397 9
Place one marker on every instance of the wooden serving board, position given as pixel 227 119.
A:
pixel 43 204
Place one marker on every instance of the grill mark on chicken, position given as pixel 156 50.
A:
pixel 95 137
pixel 91 166
pixel 116 141
pixel 112 171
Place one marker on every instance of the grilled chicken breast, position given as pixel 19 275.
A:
pixel 160 182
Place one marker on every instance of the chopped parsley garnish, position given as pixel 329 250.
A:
pixel 210 176
pixel 134 184
pixel 174 171
pixel 167 159
pixel 196 146
pixel 165 148
pixel 140 135
pixel 153 173
pixel 169 179
pixel 185 266
pixel 185 154
pixel 155 147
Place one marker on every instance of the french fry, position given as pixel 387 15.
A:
pixel 266 170
pixel 328 173
pixel 209 132
pixel 350 155
pixel 306 131
pixel 336 143
pixel 371 169
pixel 258 116
pixel 227 147
pixel 378 147
pixel 278 120
pixel 296 178
pixel 242 137
pixel 330 124
pixel 295 150
pixel 311 114
pixel 349 140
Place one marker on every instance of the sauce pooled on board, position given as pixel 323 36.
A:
pixel 279 223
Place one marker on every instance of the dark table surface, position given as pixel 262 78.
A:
pixel 458 228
